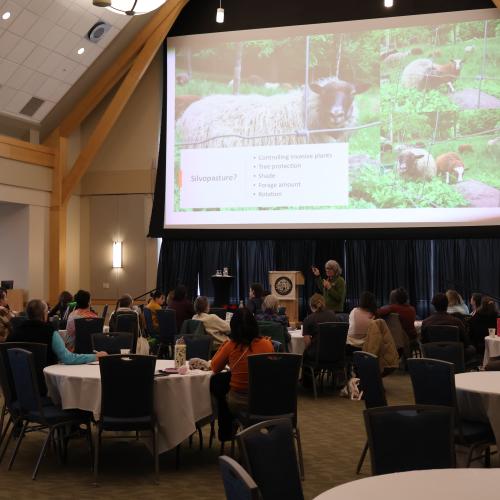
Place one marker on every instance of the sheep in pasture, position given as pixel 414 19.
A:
pixel 416 164
pixel 465 148
pixel 182 78
pixel 423 74
pixel 394 59
pixel 450 164
pixel 182 102
pixel 416 51
pixel 493 146
pixel 386 147
pixel 258 120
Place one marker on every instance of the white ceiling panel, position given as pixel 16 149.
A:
pixel 38 49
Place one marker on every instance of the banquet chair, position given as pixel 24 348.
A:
pixel 272 391
pixel 127 322
pixel 33 410
pixel 433 383
pixel 443 333
pixel 104 311
pixel 406 438
pixel 197 346
pixel 238 485
pixel 268 454
pixel 167 331
pixel 113 343
pixel 148 318
pixel 219 311
pixel 400 337
pixel 370 381
pixel 328 351
pixel 192 327
pixel 84 328
pixel 453 352
pixel 274 330
pixel 16 322
pixel 127 404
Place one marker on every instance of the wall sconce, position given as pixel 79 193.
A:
pixel 388 3
pixel 117 254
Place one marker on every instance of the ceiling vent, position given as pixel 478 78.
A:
pixel 32 106
pixel 98 31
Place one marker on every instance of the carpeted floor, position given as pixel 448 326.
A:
pixel 332 436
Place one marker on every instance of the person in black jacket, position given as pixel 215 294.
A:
pixel 484 318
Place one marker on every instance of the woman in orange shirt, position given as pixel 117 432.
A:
pixel 244 341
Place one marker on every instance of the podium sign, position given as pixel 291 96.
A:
pixel 284 285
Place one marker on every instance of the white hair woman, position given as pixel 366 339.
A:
pixel 332 287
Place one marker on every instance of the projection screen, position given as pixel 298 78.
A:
pixel 378 123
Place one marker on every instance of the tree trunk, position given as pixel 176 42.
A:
pixel 237 68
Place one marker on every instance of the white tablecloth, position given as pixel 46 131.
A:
pixel 180 400
pixel 478 398
pixel 456 484
pixel 491 348
pixel 297 342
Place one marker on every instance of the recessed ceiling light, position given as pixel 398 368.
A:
pixel 80 51
pixel 6 15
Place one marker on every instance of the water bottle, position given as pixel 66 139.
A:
pixel 242 305
pixel 180 353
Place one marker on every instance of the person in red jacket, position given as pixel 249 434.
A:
pixel 398 303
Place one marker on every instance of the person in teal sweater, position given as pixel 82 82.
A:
pixel 332 287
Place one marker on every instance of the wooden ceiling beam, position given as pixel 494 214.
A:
pixel 497 3
pixel 35 154
pixel 120 99
pixel 114 73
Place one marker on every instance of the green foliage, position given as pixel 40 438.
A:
pixel 388 190
pixel 201 85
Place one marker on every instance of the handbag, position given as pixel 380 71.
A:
pixel 142 346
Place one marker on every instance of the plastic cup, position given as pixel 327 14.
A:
pixel 492 332
pixel 124 351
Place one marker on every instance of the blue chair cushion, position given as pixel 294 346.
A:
pixel 55 415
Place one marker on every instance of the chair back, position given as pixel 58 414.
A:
pixel 16 322
pixel 84 328
pixel 238 485
pixel 368 371
pixel 219 311
pixel 406 438
pixel 22 366
pixel 330 344
pixel 268 454
pixel 193 327
pixel 148 318
pixel 39 352
pixel 197 346
pixel 167 324
pixel 398 334
pixel 112 343
pixel 453 352
pixel 104 311
pixel 443 333
pixel 127 386
pixel 273 329
pixel 433 381
pixel 272 385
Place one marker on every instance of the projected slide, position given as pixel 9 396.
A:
pixel 392 122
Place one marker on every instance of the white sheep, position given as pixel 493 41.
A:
pixel 228 120
pixel 416 164
pixel 423 74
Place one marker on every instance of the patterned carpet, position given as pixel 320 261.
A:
pixel 332 437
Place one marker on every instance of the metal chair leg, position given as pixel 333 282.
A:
pixel 212 434
pixel 97 449
pixel 91 446
pixel 156 455
pixel 362 458
pixel 299 450
pixel 315 392
pixel 18 444
pixel 42 453
pixel 200 437
pixel 6 437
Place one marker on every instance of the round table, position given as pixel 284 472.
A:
pixel 491 348
pixel 297 345
pixel 180 400
pixel 478 398
pixel 458 484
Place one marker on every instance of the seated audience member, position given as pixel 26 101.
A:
pixel 456 304
pixel 82 310
pixel 485 318
pixel 310 325
pixel 214 326
pixel 359 319
pixel 181 305
pixel 398 303
pixel 270 311
pixel 475 302
pixel 62 304
pixel 125 305
pixel 155 304
pixel 244 341
pixel 36 329
pixel 255 298
pixel 5 315
pixel 442 317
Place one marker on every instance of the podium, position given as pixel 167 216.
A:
pixel 285 286
pixel 16 298
pixel 222 289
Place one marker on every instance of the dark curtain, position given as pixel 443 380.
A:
pixel 256 259
pixel 215 255
pixel 468 266
pixel 179 264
